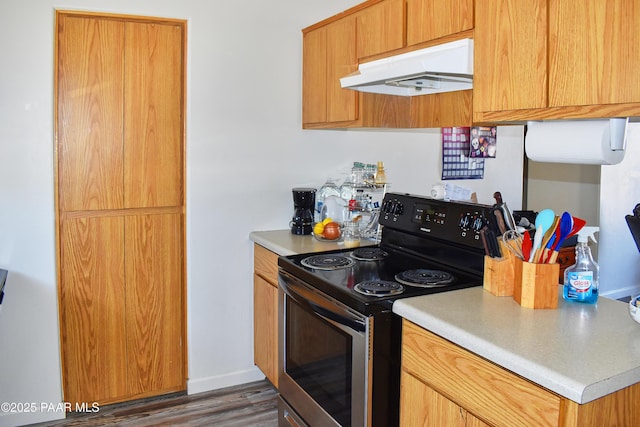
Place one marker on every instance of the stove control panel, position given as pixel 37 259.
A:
pixel 451 221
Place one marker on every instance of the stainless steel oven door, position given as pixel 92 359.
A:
pixel 324 360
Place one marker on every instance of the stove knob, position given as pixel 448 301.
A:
pixel 398 209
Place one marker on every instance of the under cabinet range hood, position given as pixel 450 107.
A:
pixel 443 68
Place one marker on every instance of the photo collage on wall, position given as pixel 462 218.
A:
pixel 464 150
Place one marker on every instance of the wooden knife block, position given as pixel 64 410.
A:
pixel 501 274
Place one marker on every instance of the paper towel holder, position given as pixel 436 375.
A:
pixel 613 137
pixel 618 132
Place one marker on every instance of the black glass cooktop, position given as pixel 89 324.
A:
pixel 340 282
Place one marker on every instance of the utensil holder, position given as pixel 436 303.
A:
pixel 538 285
pixel 501 274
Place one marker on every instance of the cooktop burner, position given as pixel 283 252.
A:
pixel 327 262
pixel 369 254
pixel 380 288
pixel 424 278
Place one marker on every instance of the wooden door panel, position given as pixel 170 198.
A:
pixel 420 405
pixel 594 52
pixel 314 76
pixel 265 328
pixel 89 123
pixel 341 61
pixel 120 144
pixel 92 314
pixel 155 317
pixel 380 28
pixel 444 17
pixel 153 120
pixel 510 55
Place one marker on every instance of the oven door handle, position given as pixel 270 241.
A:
pixel 331 311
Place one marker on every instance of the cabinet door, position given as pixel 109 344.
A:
pixel 594 52
pixel 154 303
pixel 380 28
pixel 314 76
pixel 90 113
pixel 119 144
pixel 420 405
pixel 265 328
pixel 152 115
pixel 92 306
pixel 510 55
pixel 486 390
pixel 342 104
pixel 432 19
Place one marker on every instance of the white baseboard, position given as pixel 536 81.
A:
pixel 199 385
pixel 622 292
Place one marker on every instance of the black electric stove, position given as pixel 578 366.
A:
pixel 339 341
pixel 427 246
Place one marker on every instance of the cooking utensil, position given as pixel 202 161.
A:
pixel 513 241
pixel 565 226
pixel 483 238
pixel 545 218
pixel 526 245
pixel 509 221
pixel 545 239
pixel 492 242
pixel 566 220
pixel 578 223
pixel 502 226
pixel 537 241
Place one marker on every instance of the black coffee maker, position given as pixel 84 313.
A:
pixel 304 201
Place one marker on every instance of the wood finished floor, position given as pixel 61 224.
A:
pixel 252 404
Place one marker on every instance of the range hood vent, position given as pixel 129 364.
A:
pixel 444 68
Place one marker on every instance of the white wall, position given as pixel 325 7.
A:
pixel 245 151
pixel 618 255
pixel 602 195
pixel 564 187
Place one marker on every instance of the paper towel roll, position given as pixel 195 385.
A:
pixel 576 141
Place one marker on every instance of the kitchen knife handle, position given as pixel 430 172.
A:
pixel 483 238
pixel 502 226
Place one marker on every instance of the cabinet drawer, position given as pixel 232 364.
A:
pixel 265 264
pixel 489 392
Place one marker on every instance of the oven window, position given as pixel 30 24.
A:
pixel 318 357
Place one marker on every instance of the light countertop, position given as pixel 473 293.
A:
pixel 579 351
pixel 282 242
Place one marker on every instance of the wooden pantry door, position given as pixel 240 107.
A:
pixel 120 205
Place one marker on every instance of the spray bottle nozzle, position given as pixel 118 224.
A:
pixel 586 233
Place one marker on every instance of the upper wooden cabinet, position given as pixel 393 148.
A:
pixel 560 59
pixel 121 115
pixel 380 28
pixel 341 60
pixel 334 47
pixel 431 19
pixel 329 52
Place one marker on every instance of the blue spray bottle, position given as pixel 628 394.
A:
pixel 581 279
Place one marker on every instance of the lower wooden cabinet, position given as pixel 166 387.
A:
pixel 265 312
pixel 443 384
pixel 423 406
pixel 122 307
